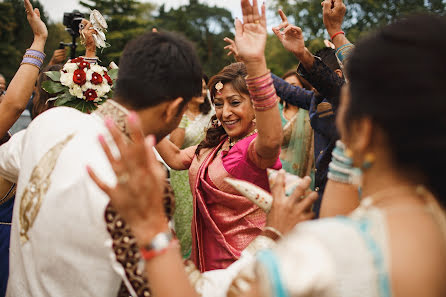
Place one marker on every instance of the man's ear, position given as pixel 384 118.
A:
pixel 339 73
pixel 173 109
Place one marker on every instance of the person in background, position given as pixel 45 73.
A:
pixel 11 106
pixel 297 154
pixel 2 86
pixel 190 132
pixel 58 57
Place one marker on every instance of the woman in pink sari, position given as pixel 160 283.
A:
pixel 243 140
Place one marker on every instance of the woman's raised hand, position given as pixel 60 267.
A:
pixel 138 194
pixel 250 36
pixel 286 212
pixel 232 48
pixel 291 36
pixel 33 15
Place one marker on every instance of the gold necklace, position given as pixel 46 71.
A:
pixel 232 141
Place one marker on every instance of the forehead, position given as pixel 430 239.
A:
pixel 227 91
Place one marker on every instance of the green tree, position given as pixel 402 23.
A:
pixel 206 26
pixel 362 15
pixel 15 34
pixel 126 19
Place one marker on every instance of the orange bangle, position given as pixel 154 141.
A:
pixel 336 34
pixel 148 255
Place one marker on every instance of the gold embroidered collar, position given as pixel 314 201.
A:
pixel 116 112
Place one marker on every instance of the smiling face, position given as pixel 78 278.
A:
pixel 234 111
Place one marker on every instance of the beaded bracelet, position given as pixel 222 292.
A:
pixel 262 92
pixel 34 58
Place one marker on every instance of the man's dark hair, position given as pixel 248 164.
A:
pixel 158 67
pixel 397 79
pixel 328 56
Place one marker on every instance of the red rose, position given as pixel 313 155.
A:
pixel 84 64
pixel 96 78
pixel 108 78
pixel 90 95
pixel 79 77
pixel 77 60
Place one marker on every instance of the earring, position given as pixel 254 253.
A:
pixel 216 123
pixel 369 159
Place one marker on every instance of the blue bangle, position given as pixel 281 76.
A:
pixel 35 53
pixel 344 51
pixel 32 61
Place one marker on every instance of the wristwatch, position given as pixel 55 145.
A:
pixel 159 245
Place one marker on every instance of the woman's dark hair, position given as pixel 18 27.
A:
pixel 205 107
pixel 40 100
pixel 158 67
pixel 235 75
pixel 398 79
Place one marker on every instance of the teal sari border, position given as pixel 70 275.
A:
pixel 364 228
pixel 269 260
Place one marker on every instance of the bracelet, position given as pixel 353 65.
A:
pixel 160 244
pixel 262 92
pixel 336 34
pixel 344 51
pixel 34 58
pixel 273 230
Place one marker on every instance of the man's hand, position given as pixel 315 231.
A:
pixel 58 57
pixel 333 15
pixel 291 37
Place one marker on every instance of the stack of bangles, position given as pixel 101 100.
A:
pixel 341 167
pixel 344 52
pixel 34 58
pixel 262 92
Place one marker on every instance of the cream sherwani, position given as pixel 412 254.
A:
pixel 59 241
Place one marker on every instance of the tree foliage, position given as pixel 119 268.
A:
pixel 206 26
pixel 126 19
pixel 362 15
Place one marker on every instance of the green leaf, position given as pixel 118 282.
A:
pixel 82 105
pixel 113 73
pixel 53 87
pixel 54 75
pixel 63 99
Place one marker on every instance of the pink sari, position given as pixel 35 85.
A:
pixel 224 222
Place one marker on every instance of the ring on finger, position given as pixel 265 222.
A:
pixel 257 21
pixel 123 178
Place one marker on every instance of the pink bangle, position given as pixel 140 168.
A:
pixel 336 34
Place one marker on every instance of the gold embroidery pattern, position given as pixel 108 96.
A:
pixel 37 187
pixel 116 112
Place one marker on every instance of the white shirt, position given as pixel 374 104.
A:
pixel 68 252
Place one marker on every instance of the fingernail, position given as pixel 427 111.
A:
pixel 108 122
pixel 101 138
pixel 88 168
pixel 150 140
pixel 132 117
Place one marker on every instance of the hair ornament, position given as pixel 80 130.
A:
pixel 99 24
pixel 219 87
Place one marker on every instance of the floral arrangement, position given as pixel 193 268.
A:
pixel 81 85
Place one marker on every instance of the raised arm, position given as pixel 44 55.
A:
pixel 22 85
pixel 250 40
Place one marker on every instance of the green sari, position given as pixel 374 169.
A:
pixel 297 154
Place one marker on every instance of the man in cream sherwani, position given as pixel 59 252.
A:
pixel 61 239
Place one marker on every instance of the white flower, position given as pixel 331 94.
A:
pixel 98 69
pixel 70 67
pixel 66 79
pixel 77 91
pixel 89 74
pixel 87 85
